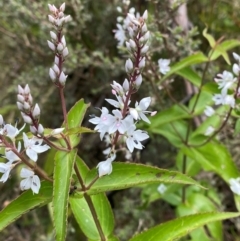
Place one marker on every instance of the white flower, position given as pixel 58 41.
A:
pixel 134 137
pixel 209 111
pixel 10 155
pixel 163 65
pixel 30 181
pixel 5 168
pixel 209 131
pixel 118 124
pixel 225 80
pixel 33 147
pixel 120 34
pixel 162 188
pixel 140 109
pixel 103 122
pixel 10 131
pixel 105 167
pixel 224 99
pixel 235 185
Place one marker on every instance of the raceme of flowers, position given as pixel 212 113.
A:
pixel 121 35
pixel 228 84
pixel 33 146
pixel 120 123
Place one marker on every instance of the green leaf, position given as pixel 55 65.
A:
pixel 176 112
pixel 237 127
pixel 127 175
pixel 197 203
pixel 83 214
pixel 25 203
pixel 75 117
pixel 180 227
pixel 84 217
pixel 210 38
pixel 223 47
pixel 196 58
pixel 214 157
pixel 62 176
pixel 190 75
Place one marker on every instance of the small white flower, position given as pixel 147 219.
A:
pixel 235 185
pixel 5 168
pixel 33 147
pixel 140 109
pixel 30 181
pixel 10 131
pixel 225 80
pixel 224 99
pixel 163 65
pixel 105 167
pixel 162 188
pixel 10 155
pixel 134 137
pixel 118 124
pixel 209 111
pixel 209 131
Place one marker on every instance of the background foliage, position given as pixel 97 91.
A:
pixel 93 63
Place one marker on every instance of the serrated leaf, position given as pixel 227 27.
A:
pixel 180 227
pixel 62 179
pixel 25 203
pixel 196 58
pixel 127 175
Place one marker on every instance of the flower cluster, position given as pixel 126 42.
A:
pixel 228 83
pixel 120 124
pixel 58 44
pixel 32 146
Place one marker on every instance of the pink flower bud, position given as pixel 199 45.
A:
pixel 40 130
pixel 1 120
pixel 52 8
pixel 132 44
pixel 56 60
pixel 26 106
pixel 57 131
pixel 20 98
pixel 56 69
pixel 62 7
pixel 153 113
pixel 138 81
pixel 59 22
pixel 33 130
pixel 26 119
pixel 144 49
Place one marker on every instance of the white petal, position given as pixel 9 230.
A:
pixel 25 173
pixel 35 186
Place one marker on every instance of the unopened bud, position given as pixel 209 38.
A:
pixel 52 75
pixel 142 63
pixel 62 7
pixel 144 49
pixel 40 129
pixel 27 90
pixel 65 52
pixel 57 131
pixel 129 66
pixel 56 69
pixel 138 81
pixel 26 119
pixel 63 41
pixel 20 90
pixel 36 112
pixel 145 15
pixel 33 130
pixel 236 69
pixel 26 106
pixel 56 60
pixel 60 47
pixel 52 8
pixel 20 98
pixel 133 113
pixel 51 19
pixel 67 19
pixel 1 120
pixel 53 36
pixel 51 45
pixel 20 106
pixel 59 22
pixel 62 78
pixel 126 85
